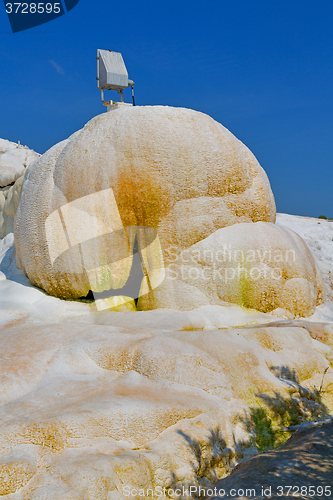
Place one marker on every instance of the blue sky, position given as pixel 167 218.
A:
pixel 264 69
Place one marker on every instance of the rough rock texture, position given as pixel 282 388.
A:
pixel 318 235
pixel 256 265
pixel 92 403
pixel 88 410
pixel 14 159
pixel 174 171
pixel 9 201
pixel 302 468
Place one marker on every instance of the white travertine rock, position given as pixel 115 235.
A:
pixel 97 403
pixel 19 300
pixel 14 159
pixel 255 265
pixel 11 168
pixel 318 234
pixel 88 410
pixel 172 170
pixel 9 202
pixel 16 469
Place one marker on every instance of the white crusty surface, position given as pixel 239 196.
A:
pixel 92 403
pixel 80 403
pixel 318 234
pixel 171 169
pixel 14 159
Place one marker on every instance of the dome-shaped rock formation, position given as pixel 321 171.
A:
pixel 162 176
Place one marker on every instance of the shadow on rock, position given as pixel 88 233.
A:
pixel 305 460
pixel 270 422
pixel 302 468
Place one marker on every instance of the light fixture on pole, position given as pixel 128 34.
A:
pixel 112 75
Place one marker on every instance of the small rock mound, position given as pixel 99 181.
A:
pixel 259 266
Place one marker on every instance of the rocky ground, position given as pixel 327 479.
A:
pixel 96 401
pixel 302 468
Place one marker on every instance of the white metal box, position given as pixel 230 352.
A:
pixel 111 70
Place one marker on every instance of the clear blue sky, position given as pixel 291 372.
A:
pixel 263 68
